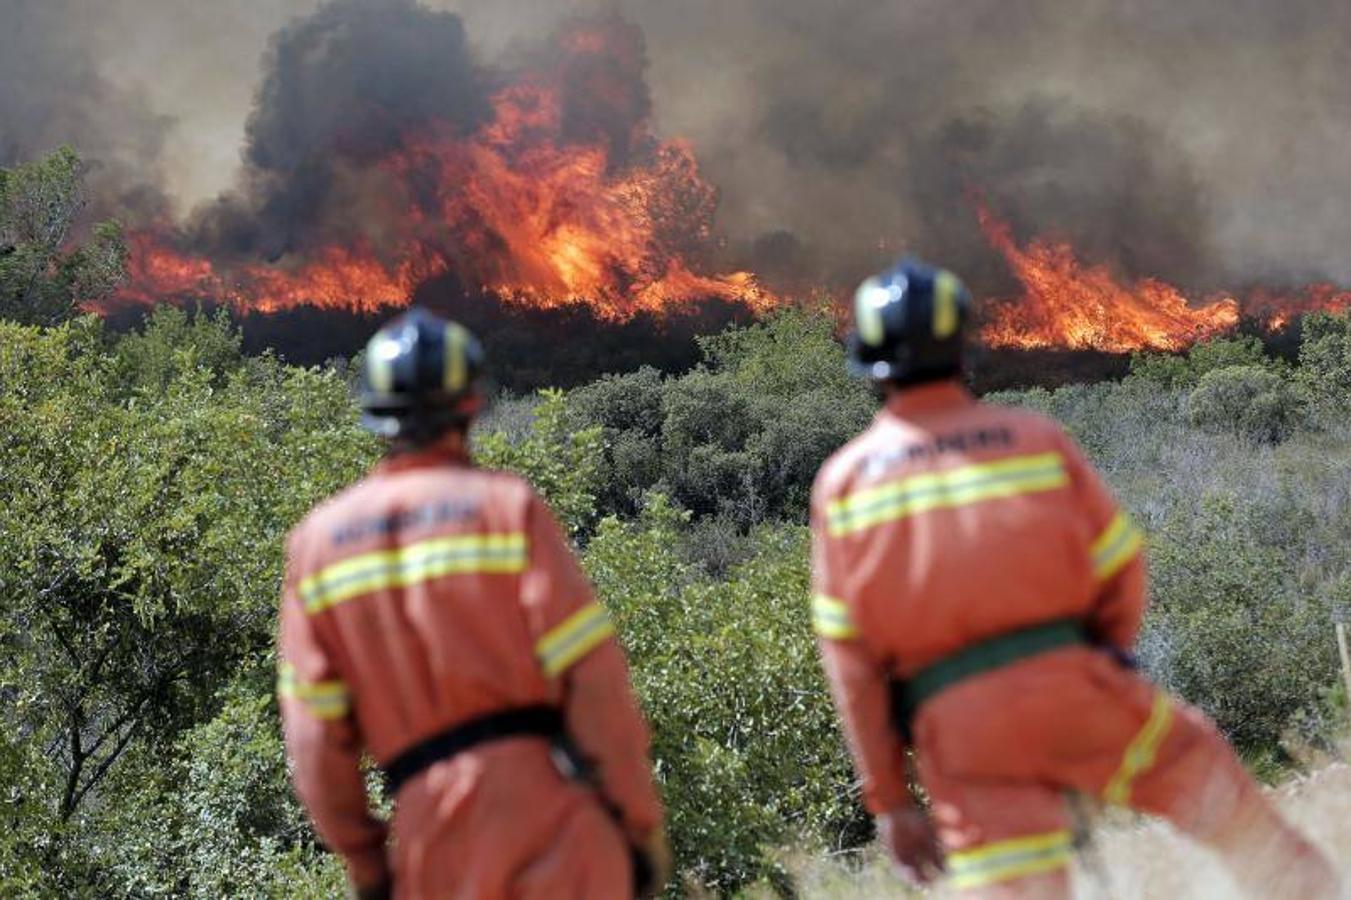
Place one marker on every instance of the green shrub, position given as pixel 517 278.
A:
pixel 1325 364
pixel 1229 628
pixel 562 463
pixel 1246 400
pixel 745 740
pixel 1182 371
pixel 739 437
pixel 217 819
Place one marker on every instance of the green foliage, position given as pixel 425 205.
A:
pixel 217 819
pixel 1325 363
pixel 42 279
pixel 1247 400
pixel 1230 628
pixel 1178 371
pixel 150 477
pixel 740 437
pixel 563 464
pixel 140 547
pixel 746 744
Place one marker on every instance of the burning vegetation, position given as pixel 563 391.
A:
pixel 556 192
pixel 383 162
pixel 1070 305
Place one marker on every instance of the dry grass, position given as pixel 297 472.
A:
pixel 1143 861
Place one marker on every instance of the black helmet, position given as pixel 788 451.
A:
pixel 908 324
pixel 422 375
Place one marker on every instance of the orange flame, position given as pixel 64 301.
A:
pixel 1276 310
pixel 1069 305
pixel 517 209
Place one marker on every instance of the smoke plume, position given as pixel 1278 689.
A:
pixel 1196 141
pixel 52 92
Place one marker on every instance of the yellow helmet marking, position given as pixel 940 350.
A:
pixel 945 305
pixel 380 364
pixel 869 300
pixel 455 363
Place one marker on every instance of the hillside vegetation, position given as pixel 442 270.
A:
pixel 149 479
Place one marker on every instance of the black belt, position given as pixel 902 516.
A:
pixel 908 695
pixel 526 721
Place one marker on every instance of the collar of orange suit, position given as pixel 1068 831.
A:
pixel 424 458
pixel 929 397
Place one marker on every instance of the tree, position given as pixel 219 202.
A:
pixel 43 279
pixel 140 547
pixel 738 438
pixel 1325 362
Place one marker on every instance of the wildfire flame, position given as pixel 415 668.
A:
pixel 518 209
pixel 528 207
pixel 1070 305
pixel 1067 304
pixel 1276 310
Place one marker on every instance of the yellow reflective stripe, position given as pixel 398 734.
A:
pixel 831 618
pixel 1116 546
pixel 324 699
pixel 404 566
pixel 577 636
pixel 951 488
pixel 1140 753
pixel 1007 860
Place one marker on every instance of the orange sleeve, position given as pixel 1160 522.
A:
pixel 575 643
pixel 323 744
pixel 1116 555
pixel 859 682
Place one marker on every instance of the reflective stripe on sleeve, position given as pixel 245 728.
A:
pixel 831 619
pixel 1140 753
pixel 577 636
pixel 323 699
pixel 1116 547
pixel 1006 860
pixel 963 486
pixel 405 566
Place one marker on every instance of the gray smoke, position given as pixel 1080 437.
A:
pixel 53 93
pixel 1197 140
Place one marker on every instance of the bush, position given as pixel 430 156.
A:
pixel 1325 364
pixel 1246 400
pixel 217 819
pixel 140 556
pixel 1183 371
pixel 745 740
pixel 741 436
pixel 1230 629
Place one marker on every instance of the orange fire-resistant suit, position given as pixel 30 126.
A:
pixel 947 524
pixel 424 596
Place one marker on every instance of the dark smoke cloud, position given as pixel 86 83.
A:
pixel 341 90
pixel 1199 140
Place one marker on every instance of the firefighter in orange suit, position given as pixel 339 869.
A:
pixel 434 619
pixel 977 593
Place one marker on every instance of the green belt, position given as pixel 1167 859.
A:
pixel 994 653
